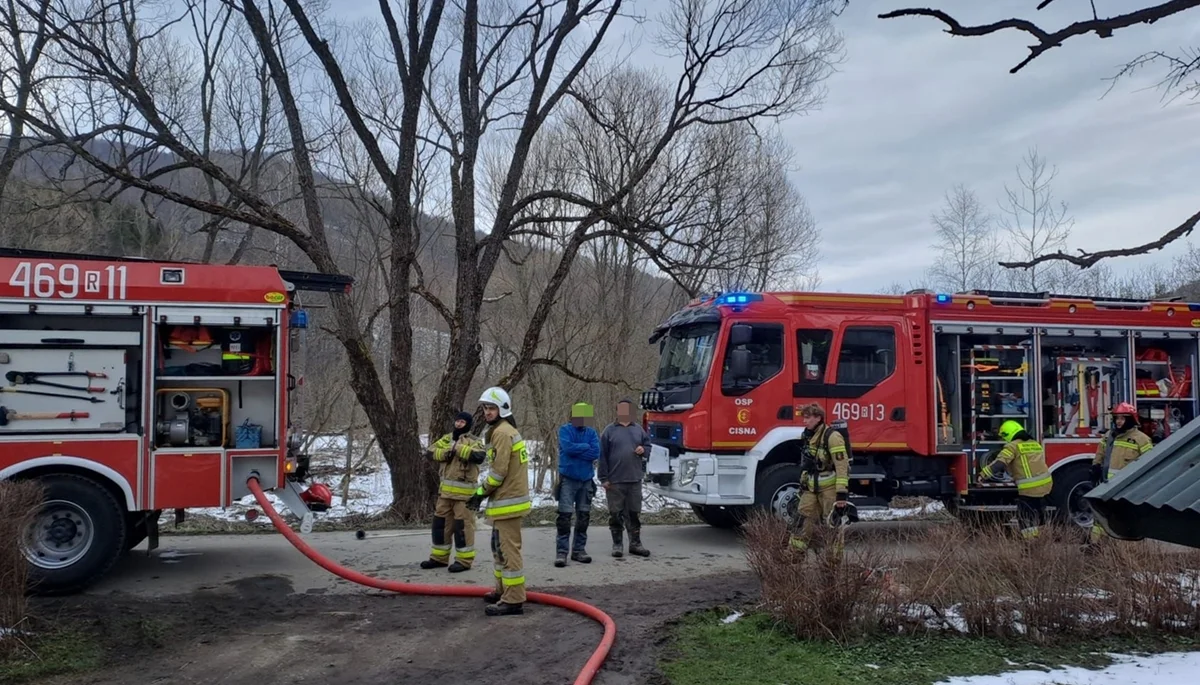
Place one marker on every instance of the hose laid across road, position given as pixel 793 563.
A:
pixel 589 669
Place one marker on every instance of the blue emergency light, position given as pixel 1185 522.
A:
pixel 738 298
pixel 942 298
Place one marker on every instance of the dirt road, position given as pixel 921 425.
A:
pixel 251 610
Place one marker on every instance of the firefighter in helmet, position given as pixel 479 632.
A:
pixel 825 479
pixel 1122 446
pixel 459 455
pixel 1023 458
pixel 506 488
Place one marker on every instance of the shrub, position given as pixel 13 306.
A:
pixel 19 502
pixel 985 583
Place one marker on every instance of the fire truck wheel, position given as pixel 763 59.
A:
pixel 1071 483
pixel 778 490
pixel 719 517
pixel 76 537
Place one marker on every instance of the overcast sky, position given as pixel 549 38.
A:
pixel 914 111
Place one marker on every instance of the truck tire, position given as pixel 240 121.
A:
pixel 778 490
pixel 720 517
pixel 76 537
pixel 1071 483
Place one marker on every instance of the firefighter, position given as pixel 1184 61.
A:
pixel 827 451
pixel 1123 445
pixel 1023 457
pixel 506 488
pixel 459 455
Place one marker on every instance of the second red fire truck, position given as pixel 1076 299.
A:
pixel 922 381
pixel 130 387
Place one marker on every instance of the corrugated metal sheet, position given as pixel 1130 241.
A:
pixel 1158 496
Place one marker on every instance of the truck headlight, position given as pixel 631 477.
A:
pixel 687 471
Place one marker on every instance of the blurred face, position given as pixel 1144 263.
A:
pixel 459 424
pixel 811 421
pixel 491 412
pixel 624 412
pixel 1124 421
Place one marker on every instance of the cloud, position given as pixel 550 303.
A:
pixel 914 111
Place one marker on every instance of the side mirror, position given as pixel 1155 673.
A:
pixel 739 364
pixel 739 334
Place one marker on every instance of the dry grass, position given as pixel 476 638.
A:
pixel 19 502
pixel 979 583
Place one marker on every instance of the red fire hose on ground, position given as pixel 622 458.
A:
pixel 589 669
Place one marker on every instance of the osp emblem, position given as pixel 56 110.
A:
pixel 743 416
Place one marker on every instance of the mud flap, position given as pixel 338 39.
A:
pixel 151 532
pixel 289 494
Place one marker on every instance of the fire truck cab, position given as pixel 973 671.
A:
pixel 921 381
pixel 130 387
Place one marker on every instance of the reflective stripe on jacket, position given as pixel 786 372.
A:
pixel 459 477
pixel 1026 461
pixel 506 482
pixel 1126 448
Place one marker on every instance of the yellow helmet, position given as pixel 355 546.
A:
pixel 1008 429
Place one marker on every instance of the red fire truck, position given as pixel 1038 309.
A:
pixel 922 382
pixel 131 387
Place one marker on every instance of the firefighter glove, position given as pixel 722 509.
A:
pixel 1097 473
pixel 476 501
pixel 477 456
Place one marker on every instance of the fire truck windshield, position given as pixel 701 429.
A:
pixel 687 355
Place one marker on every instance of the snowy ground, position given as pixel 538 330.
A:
pixel 370 489
pixel 1161 669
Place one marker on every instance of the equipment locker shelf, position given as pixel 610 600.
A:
pixel 1164 392
pixel 999 390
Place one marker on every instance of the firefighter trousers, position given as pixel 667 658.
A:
pixel 453 523
pixel 1031 515
pixel 506 554
pixel 813 510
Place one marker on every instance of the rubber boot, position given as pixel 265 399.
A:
pixel 430 563
pixel 503 609
pixel 618 549
pixel 457 567
pixel 491 597
pixel 635 544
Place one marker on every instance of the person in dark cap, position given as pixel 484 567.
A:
pixel 460 454
pixel 624 449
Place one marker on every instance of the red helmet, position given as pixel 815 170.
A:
pixel 1124 408
pixel 319 494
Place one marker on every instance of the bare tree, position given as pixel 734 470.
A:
pixel 1035 221
pixel 966 246
pixel 1180 78
pixel 427 87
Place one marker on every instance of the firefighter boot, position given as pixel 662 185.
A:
pixel 618 549
pixel 635 544
pixel 504 609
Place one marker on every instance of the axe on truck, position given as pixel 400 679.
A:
pixel 7 415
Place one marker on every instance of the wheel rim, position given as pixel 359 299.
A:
pixel 1079 511
pixel 61 535
pixel 784 501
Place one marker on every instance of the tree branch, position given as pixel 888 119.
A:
pixel 544 361
pixel 1088 259
pixel 1045 39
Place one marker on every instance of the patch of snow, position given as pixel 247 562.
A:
pixel 872 666
pixel 173 554
pixel 900 514
pixel 1159 669
pixel 732 617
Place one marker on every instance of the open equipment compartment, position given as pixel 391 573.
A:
pixel 66 371
pixel 216 382
pixel 1085 373
pixel 1164 391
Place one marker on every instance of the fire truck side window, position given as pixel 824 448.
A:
pixel 867 357
pixel 812 347
pixel 766 359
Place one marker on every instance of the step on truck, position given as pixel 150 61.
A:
pixel 921 382
pixel 130 387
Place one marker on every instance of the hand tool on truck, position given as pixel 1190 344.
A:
pixel 32 378
pixel 23 391
pixel 7 415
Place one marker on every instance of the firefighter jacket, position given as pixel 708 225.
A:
pixel 459 473
pixel 1026 461
pixel 1126 448
pixel 828 448
pixel 506 483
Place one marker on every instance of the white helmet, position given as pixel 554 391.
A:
pixel 498 397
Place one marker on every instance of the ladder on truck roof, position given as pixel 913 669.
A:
pixel 1044 296
pixel 302 280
